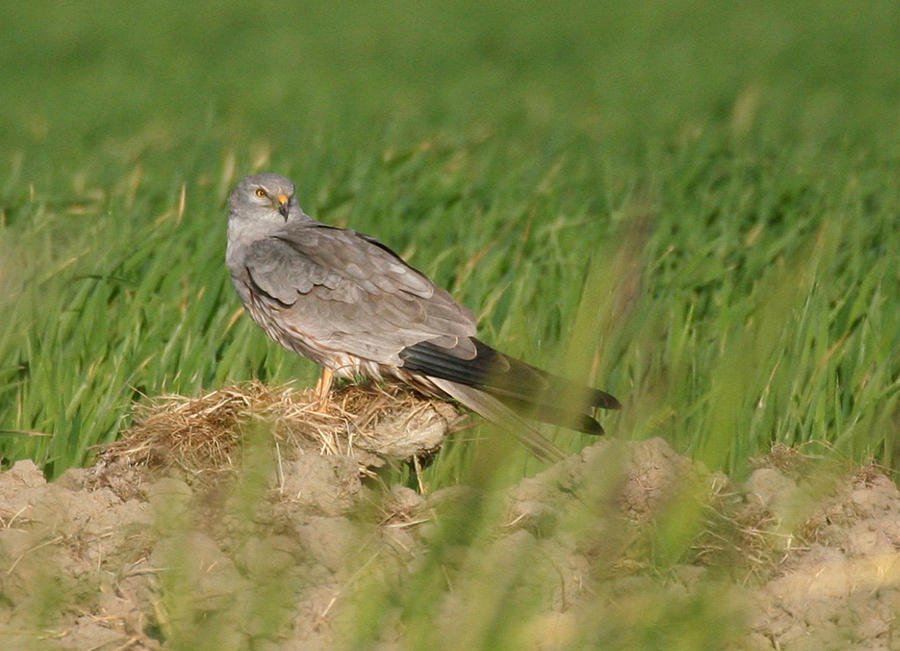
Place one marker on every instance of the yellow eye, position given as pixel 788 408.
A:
pixel 260 193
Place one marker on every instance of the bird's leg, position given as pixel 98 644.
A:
pixel 323 387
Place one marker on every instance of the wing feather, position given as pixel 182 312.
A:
pixel 512 381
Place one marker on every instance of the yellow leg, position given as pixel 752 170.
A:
pixel 323 386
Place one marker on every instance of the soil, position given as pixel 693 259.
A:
pixel 283 554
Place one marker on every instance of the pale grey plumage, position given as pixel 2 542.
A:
pixel 352 305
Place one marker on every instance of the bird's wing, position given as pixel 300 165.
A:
pixel 504 377
pixel 348 293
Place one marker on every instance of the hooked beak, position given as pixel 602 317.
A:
pixel 284 205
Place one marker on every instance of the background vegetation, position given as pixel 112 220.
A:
pixel 697 200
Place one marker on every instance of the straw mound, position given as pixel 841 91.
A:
pixel 203 436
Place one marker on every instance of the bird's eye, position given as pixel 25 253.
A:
pixel 260 193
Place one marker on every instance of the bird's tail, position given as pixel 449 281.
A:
pixel 570 414
pixel 495 411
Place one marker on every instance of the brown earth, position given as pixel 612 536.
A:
pixel 138 553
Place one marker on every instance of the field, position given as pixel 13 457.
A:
pixel 692 205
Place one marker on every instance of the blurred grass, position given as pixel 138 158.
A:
pixel 723 176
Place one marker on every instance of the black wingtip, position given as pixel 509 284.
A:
pixel 589 425
pixel 608 402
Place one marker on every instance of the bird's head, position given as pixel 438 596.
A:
pixel 265 198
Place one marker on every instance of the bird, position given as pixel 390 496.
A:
pixel 349 303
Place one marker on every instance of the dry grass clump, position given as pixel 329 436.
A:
pixel 737 533
pixel 790 461
pixel 202 435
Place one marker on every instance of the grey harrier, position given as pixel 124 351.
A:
pixel 352 305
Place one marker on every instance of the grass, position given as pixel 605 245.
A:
pixel 692 205
pixel 746 160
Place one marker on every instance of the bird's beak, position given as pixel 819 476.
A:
pixel 284 205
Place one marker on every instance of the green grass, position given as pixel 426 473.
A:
pixel 723 177
pixel 693 205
